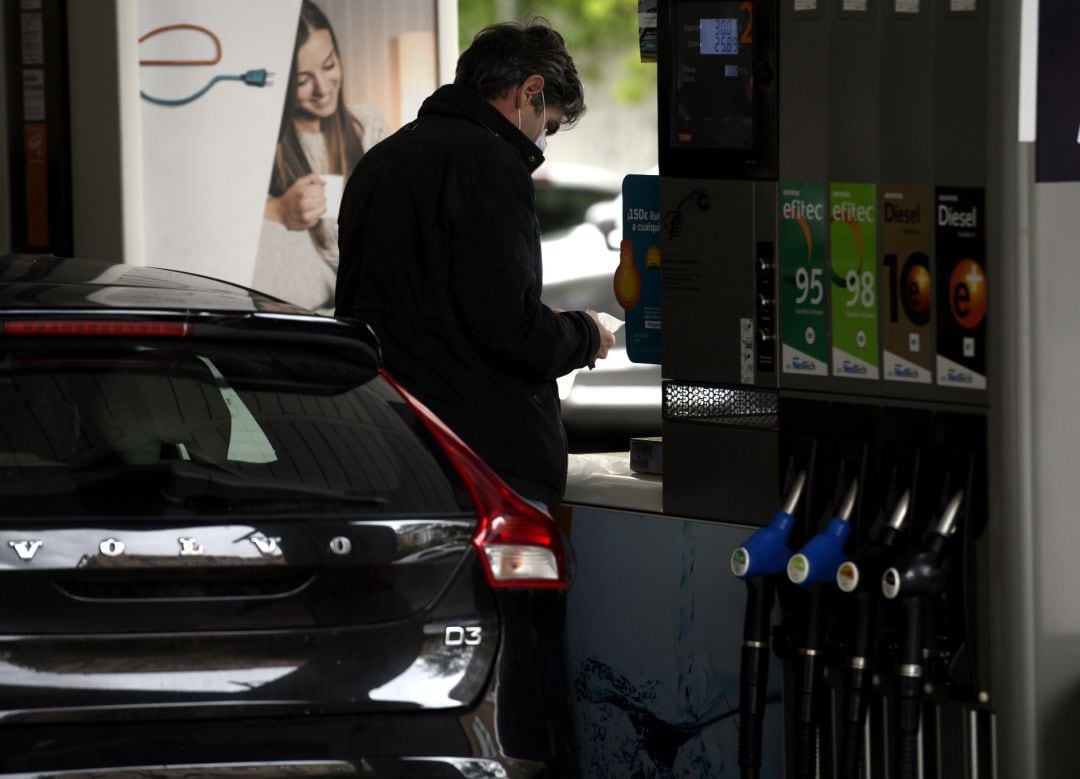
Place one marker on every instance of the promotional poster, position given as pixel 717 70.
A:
pixel 250 130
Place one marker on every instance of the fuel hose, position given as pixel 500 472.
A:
pixel 758 561
pixel 917 577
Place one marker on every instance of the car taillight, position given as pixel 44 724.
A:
pixel 94 327
pixel 519 544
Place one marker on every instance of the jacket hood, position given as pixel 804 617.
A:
pixel 457 102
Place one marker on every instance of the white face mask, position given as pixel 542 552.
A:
pixel 541 139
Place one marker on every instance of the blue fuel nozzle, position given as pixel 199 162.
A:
pixel 822 555
pixel 766 551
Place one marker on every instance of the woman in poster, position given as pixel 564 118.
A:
pixel 318 145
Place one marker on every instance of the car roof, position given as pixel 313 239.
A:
pixel 45 286
pixel 29 281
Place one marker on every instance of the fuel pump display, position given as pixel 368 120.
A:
pixel 714 68
pixel 717 89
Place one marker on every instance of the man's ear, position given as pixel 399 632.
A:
pixel 532 86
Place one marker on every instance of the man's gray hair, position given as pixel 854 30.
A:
pixel 501 56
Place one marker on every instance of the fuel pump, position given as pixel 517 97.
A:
pixel 917 577
pixel 757 562
pixel 816 562
pixel 859 576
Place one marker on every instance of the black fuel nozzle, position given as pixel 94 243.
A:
pixel 859 577
pixel 921 572
pixel 757 562
pixel 919 575
pixel 865 568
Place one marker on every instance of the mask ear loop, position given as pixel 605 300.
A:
pixel 543 102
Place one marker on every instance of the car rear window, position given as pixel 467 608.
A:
pixel 185 426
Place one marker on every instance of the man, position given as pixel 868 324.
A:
pixel 440 254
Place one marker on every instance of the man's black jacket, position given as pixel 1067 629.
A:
pixel 440 254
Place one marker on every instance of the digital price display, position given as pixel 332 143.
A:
pixel 713 104
pixel 717 88
pixel 720 36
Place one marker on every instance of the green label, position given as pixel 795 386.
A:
pixel 804 283
pixel 854 289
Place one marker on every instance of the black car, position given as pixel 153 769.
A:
pixel 231 544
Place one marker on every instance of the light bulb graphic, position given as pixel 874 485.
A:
pixel 627 278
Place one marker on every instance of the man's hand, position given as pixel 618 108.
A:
pixel 607 338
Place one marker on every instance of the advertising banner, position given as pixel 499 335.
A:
pixel 804 285
pixel 249 131
pixel 960 248
pixel 906 284
pixel 637 279
pixel 853 262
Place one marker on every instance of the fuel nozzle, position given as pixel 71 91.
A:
pixel 921 572
pixel 919 575
pixel 858 577
pixel 766 551
pixel 756 561
pixel 822 555
pixel 870 561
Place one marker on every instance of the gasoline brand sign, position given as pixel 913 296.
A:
pixel 804 280
pixel 853 261
pixel 961 287
pixel 906 284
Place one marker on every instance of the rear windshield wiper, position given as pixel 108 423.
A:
pixel 190 480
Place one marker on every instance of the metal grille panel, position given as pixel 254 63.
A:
pixel 720 405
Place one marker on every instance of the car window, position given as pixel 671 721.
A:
pixel 560 208
pixel 188 426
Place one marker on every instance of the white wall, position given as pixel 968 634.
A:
pixel 367 33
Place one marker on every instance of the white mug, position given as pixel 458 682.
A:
pixel 335 187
